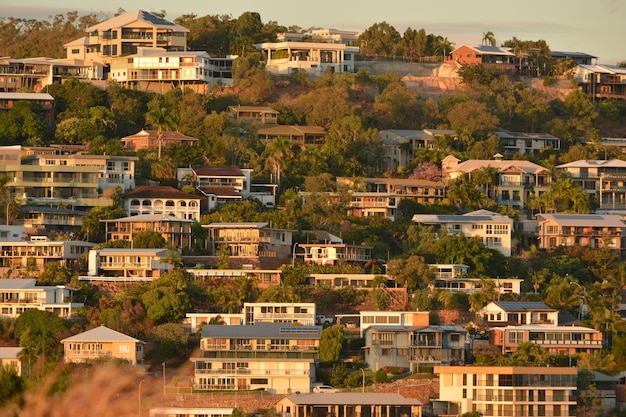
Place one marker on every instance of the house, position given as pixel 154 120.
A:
pixel 124 34
pixel 259 114
pixel 358 281
pixel 263 277
pixel 578 58
pixel 313 58
pixel 451 278
pixel 515 182
pixel 332 253
pixel 111 264
pixel 176 231
pixel 277 357
pixel 102 342
pixel 516 313
pixel 193 322
pixel 35 74
pixel 250 243
pixel 527 143
pixel 589 230
pixel 506 390
pixel 348 404
pixel 160 70
pixel 493 230
pixel 40 220
pixel 486 55
pixel 414 347
pixel 197 411
pixel 145 139
pixel 44 101
pixel 297 135
pixel 11 357
pixel 161 200
pixel 558 340
pixel 25 256
pixel 601 82
pixel 272 312
pixel 418 190
pixel 392 318
pixel 602 179
pixel 19 295
pixel 65 175
pixel 400 145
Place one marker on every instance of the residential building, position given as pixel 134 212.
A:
pixel 467 285
pixel 161 200
pixel 517 313
pixel 313 58
pixel 35 74
pixel 112 264
pixel 124 34
pixel 32 255
pixel 334 253
pixel 527 143
pixel 40 220
pixel 159 70
pixel 359 281
pixel 272 312
pixel 605 180
pixel 11 357
pixel 146 139
pixel 578 58
pixel 558 340
pixel 20 295
pixel 197 411
pixel 65 175
pixel 400 145
pixel 418 190
pixel 515 182
pixel 249 242
pixel 393 319
pixel 493 230
pixel 9 233
pixel 589 230
pixel 297 135
pixel 43 100
pixel 259 114
pixel 263 277
pixel 506 390
pixel 193 322
pixel 413 347
pixel 601 82
pixel 277 357
pixel 348 404
pixel 176 231
pixel 102 342
pixel 486 55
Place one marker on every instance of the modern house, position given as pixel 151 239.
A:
pixel 40 220
pixel 506 391
pixel 414 347
pixel 19 295
pixel 297 135
pixel 333 253
pixel 272 312
pixel 527 143
pixel 10 357
pixel 277 357
pixel 358 281
pixel 589 230
pixel 515 180
pixel 601 82
pixel 418 190
pixel 456 282
pixel 558 340
pixel 65 175
pixel 393 319
pixel 517 313
pixel 176 231
pixel 486 55
pixel 263 277
pixel 400 145
pixel 127 265
pixel 493 230
pixel 123 35
pixel 146 139
pixel 603 179
pixel 102 342
pixel 23 257
pixel 35 74
pixel 159 70
pixel 44 101
pixel 258 114
pixel 161 200
pixel 578 58
pixel 198 411
pixel 348 404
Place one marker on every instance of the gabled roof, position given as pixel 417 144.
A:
pixel 218 172
pixel 158 191
pixel 487 50
pixel 264 331
pixel 594 163
pixel 101 334
pixel 16 283
pixel 137 16
pixel 584 220
pixel 10 352
pixel 154 134
pixel 351 398
pixel 523 306
pixel 477 164
pixel 253 109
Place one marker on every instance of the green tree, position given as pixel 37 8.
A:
pixel 331 343
pixel 489 39
pixel 380 376
pixel 380 39
pixel 11 385
pixel 338 374
pixel 149 239
pixel 530 354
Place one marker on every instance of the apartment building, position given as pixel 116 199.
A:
pixel 495 391
pixel 64 175
pixel 102 342
pixel 176 231
pixel 43 100
pixel 34 74
pixel 558 340
pixel 603 179
pixel 277 357
pixel 28 256
pixel 127 265
pixel 494 230
pixel 589 230
pixel 123 35
pixel 161 200
pixel 20 295
pixel 246 239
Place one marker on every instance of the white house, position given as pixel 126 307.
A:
pixel 19 295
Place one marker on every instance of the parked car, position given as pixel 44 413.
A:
pixel 323 320
pixel 325 389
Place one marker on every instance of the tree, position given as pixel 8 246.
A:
pixel 149 239
pixel 11 385
pixel 380 376
pixel 426 171
pixel 380 39
pixel 410 272
pixel 161 117
pixel 529 354
pixel 489 39
pixel 276 155
pixel 93 226
pixel 331 343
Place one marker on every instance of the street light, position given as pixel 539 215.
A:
pixel 363 372
pixel 139 401
pixel 164 379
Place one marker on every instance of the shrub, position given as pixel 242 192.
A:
pixel 381 375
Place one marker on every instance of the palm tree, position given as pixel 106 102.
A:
pixel 160 118
pixel 276 154
pixel 489 39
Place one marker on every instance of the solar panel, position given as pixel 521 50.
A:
pixel 148 17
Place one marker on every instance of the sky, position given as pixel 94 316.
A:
pixel 595 27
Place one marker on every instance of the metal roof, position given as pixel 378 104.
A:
pixel 351 398
pixel 101 334
pixel 263 331
pixel 522 305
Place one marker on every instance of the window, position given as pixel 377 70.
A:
pixel 124 348
pixel 258 381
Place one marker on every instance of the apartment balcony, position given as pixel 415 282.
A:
pixel 86 354
pixel 252 372
pixel 426 343
pixel 579 343
pixel 125 265
pixel 303 354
